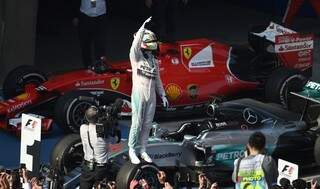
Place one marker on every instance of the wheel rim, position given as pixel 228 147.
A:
pixel 78 113
pixel 293 83
pixel 73 157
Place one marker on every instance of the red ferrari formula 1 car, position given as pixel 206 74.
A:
pixel 192 71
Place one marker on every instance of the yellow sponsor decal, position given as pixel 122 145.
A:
pixel 115 83
pixel 173 91
pixel 23 96
pixel 187 52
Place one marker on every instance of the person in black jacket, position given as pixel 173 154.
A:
pixel 91 20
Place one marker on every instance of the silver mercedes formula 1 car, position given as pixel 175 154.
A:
pixel 207 146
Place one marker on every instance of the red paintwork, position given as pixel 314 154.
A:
pixel 174 69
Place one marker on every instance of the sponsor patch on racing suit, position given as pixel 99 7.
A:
pixel 147 70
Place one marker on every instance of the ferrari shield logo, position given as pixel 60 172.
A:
pixel 187 52
pixel 115 82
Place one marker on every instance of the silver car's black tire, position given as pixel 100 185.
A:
pixel 70 108
pixel 19 77
pixel 67 154
pixel 130 171
pixel 281 82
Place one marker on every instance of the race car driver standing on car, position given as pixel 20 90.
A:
pixel 146 82
pixel 94 167
pixel 293 8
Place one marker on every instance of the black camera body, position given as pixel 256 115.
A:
pixel 107 120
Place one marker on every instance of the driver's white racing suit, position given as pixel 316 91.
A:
pixel 145 82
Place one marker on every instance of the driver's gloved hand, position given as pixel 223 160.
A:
pixel 165 102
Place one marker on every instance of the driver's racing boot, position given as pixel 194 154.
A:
pixel 133 156
pixel 145 156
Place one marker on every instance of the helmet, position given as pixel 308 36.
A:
pixel 149 41
pixel 91 114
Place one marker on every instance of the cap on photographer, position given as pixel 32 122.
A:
pixel 255 170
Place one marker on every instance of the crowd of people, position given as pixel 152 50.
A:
pixel 19 178
pixel 204 183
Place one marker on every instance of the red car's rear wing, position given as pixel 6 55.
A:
pixel 295 50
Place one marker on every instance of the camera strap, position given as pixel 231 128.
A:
pixel 237 168
pixel 90 144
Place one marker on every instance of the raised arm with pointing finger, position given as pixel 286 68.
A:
pixel 146 82
pixel 135 51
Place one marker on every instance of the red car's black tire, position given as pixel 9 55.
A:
pixel 17 78
pixel 67 154
pixel 281 82
pixel 70 108
pixel 130 171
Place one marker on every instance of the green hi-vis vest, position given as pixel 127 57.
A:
pixel 250 173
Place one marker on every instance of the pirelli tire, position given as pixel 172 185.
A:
pixel 130 171
pixel 19 77
pixel 281 82
pixel 70 108
pixel 67 154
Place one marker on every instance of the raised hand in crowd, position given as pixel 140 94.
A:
pixel 214 186
pixel 162 177
pixel 24 174
pixel 314 184
pixel 203 181
pixel 35 183
pixel 142 183
pixel 112 185
pixel 105 184
pixel 5 180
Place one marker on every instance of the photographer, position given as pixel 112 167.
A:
pixel 256 169
pixel 95 136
